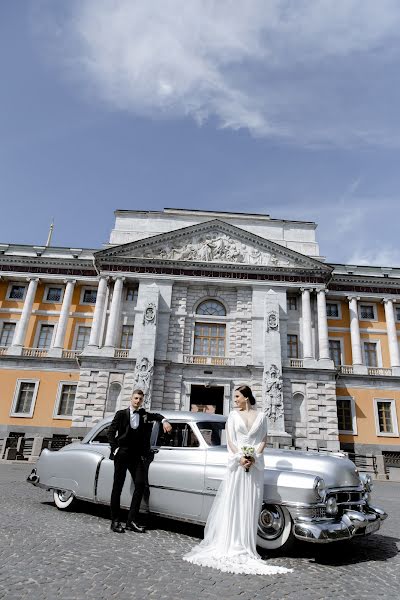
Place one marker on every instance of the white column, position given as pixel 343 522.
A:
pixel 112 327
pixel 22 325
pixel 355 332
pixel 94 339
pixel 323 341
pixel 391 333
pixel 64 316
pixel 306 318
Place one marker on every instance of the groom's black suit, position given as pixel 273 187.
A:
pixel 133 446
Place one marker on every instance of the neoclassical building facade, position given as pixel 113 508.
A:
pixel 188 305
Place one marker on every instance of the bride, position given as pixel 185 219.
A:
pixel 230 534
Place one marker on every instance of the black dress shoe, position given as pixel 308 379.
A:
pixel 117 527
pixel 132 526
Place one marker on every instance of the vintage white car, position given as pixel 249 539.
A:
pixel 307 495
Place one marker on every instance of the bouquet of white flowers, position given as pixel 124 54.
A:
pixel 248 452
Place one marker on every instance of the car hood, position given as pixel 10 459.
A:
pixel 336 470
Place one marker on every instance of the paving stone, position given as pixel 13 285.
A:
pixel 47 554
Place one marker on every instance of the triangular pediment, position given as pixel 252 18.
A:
pixel 214 242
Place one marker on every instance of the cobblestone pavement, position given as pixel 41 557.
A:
pixel 48 554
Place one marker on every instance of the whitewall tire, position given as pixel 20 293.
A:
pixel 274 530
pixel 63 499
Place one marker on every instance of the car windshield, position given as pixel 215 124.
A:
pixel 213 432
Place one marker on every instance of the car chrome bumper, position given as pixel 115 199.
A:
pixel 351 524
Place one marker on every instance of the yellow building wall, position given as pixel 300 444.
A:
pixel 36 320
pixel 45 401
pixel 364 404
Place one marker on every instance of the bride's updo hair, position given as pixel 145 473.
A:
pixel 245 390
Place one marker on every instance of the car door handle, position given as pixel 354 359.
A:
pixel 155 450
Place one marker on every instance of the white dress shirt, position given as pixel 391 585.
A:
pixel 134 417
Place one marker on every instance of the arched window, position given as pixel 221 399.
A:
pixel 114 392
pixel 211 307
pixel 298 407
pixel 209 337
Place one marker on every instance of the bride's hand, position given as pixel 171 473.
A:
pixel 246 462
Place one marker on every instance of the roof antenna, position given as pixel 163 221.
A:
pixel 50 233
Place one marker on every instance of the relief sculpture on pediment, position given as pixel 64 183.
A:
pixel 217 247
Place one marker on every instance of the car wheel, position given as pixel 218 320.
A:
pixel 274 531
pixel 63 499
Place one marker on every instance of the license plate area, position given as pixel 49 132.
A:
pixel 371 527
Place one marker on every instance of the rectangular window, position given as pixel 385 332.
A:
pixel 53 294
pixel 367 312
pixel 25 397
pixel 292 302
pixel 45 336
pixel 292 346
pixel 370 354
pixel 66 400
pixel 397 308
pixel 209 339
pixel 7 334
pixel 89 296
pixel 126 337
pixel 82 338
pixel 332 310
pixel 17 292
pixel 130 294
pixel 335 351
pixel 345 414
pixel 385 419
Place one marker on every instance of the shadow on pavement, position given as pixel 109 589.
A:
pixel 376 547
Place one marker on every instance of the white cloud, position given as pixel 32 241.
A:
pixel 309 72
pixel 387 256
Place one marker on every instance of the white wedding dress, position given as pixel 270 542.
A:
pixel 230 534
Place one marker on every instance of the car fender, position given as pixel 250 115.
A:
pixel 75 470
pixel 289 488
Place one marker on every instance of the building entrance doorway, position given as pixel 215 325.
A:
pixel 207 399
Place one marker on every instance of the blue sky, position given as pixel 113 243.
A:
pixel 289 108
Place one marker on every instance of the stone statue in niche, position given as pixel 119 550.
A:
pixel 273 396
pixel 142 379
pixel 272 321
pixel 149 315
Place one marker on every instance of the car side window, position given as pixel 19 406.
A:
pixel 101 436
pixel 181 436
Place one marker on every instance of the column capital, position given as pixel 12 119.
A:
pixel 321 290
pixel 386 300
pixel 306 289
pixel 69 281
pixel 353 297
pixel 118 278
pixel 33 279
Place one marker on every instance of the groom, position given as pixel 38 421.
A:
pixel 129 438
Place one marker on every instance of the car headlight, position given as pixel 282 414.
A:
pixel 319 487
pixel 367 481
pixel 366 497
pixel 331 506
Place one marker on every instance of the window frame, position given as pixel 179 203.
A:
pixel 297 346
pixel 196 435
pixel 16 283
pixel 210 323
pixel 360 318
pixel 351 400
pixel 296 300
pixel 393 410
pixel 397 314
pixel 130 288
pixel 121 347
pixel 340 340
pixel 38 331
pixel 378 353
pixel 46 291
pixel 87 288
pixel 16 397
pixel 339 305
pixel 58 400
pixel 216 301
pixel 6 322
pixel 76 334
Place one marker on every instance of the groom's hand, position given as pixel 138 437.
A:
pixel 167 427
